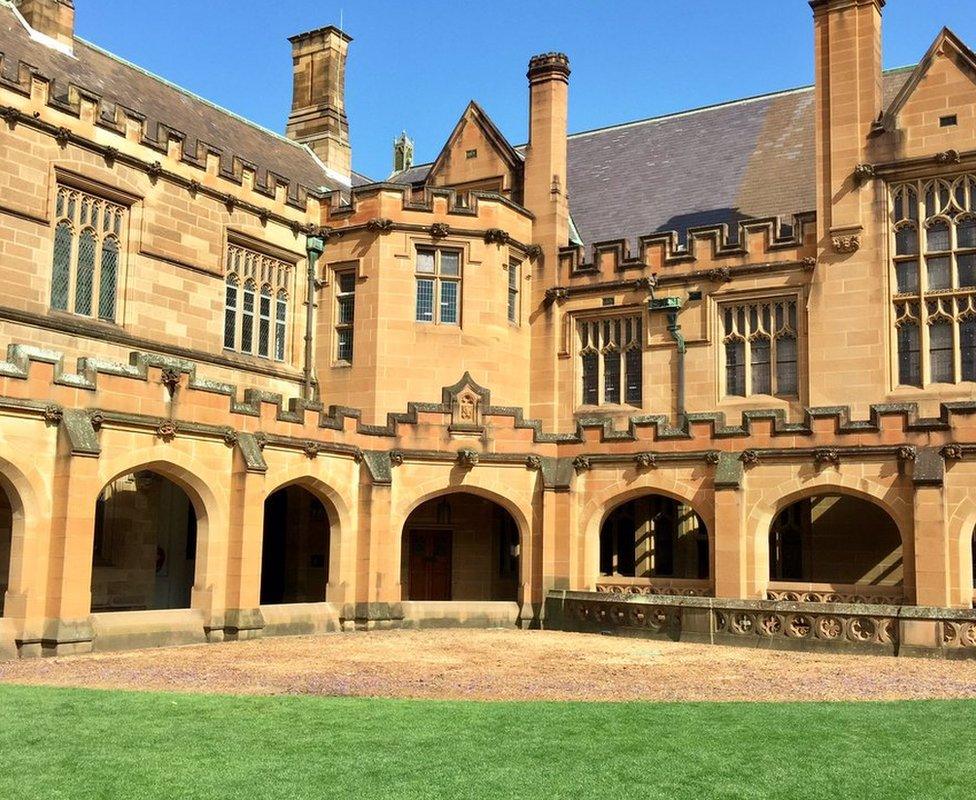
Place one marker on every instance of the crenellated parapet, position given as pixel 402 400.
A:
pixel 757 244
pixel 87 117
pixel 175 401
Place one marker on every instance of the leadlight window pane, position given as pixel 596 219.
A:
pixel 247 321
pixel 347 309
pixel 939 273
pixel 108 280
pixel 281 317
pixel 425 300
pixel 940 352
pixel 230 314
pixel 449 302
pixel 634 376
pixel 85 278
pixel 966 233
pixel 786 372
pixel 425 261
pixel 61 276
pixel 450 263
pixel 513 283
pixel 967 345
pixel 966 264
pixel 264 326
pixel 906 273
pixel 590 378
pixel 735 368
pixel 347 282
pixel 938 238
pixel 909 362
pixel 761 368
pixel 345 348
pixel 906 241
pixel 611 377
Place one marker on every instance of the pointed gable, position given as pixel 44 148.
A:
pixel 478 157
pixel 936 108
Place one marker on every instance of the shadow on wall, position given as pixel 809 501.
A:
pixel 836 539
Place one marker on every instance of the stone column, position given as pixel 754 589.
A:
pixel 732 550
pixel 932 553
pixel 242 617
pixel 377 576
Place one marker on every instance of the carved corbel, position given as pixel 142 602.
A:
pixel 53 415
pixel 154 170
pixel 645 460
pixel 496 236
pixel 379 225
pixel 712 457
pixel 720 275
pixel 863 173
pixel 948 157
pixel 62 136
pixel 582 464
pixel 846 244
pixel 439 230
pixel 826 455
pixel 952 452
pixel 749 457
pixel 396 457
pixel 170 378
pixel 311 449
pixel 533 463
pixel 467 458
pixel 907 453
pixel 554 293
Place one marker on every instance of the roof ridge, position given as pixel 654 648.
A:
pixel 713 106
pixel 188 93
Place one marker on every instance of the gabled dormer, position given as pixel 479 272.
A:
pixel 478 157
pixel 935 111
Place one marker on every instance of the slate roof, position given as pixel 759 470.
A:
pixel 120 83
pixel 726 163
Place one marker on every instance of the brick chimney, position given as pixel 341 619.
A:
pixel 849 97
pixel 54 18
pixel 318 111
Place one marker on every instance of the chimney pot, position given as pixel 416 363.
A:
pixel 548 66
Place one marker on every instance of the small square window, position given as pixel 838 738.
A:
pixel 471 154
pixel 948 121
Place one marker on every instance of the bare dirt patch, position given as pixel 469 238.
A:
pixel 503 665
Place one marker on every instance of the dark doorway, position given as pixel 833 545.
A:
pixel 460 547
pixel 145 545
pixel 431 560
pixel 295 548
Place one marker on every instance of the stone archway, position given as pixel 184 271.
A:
pixel 460 546
pixel 295 554
pixel 832 546
pixel 653 536
pixel 144 551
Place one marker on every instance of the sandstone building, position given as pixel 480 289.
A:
pixel 707 375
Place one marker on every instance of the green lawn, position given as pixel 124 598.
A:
pixel 65 743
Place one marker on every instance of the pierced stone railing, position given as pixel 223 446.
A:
pixel 680 587
pixel 780 625
pixel 796 592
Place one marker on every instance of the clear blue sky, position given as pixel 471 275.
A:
pixel 414 65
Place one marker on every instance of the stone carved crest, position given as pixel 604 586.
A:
pixel 166 430
pixel 466 409
pixel 645 460
pixel 496 236
pixel 379 224
pixel 846 244
pixel 467 458
pixel 952 452
pixel 439 230
pixel 311 449
pixel 826 455
pixel 582 463
pixel 53 415
pixel 749 457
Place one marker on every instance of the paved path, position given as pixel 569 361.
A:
pixel 508 665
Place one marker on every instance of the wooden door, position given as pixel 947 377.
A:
pixel 431 554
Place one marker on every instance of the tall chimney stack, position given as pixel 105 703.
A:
pixel 544 187
pixel 318 111
pixel 54 18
